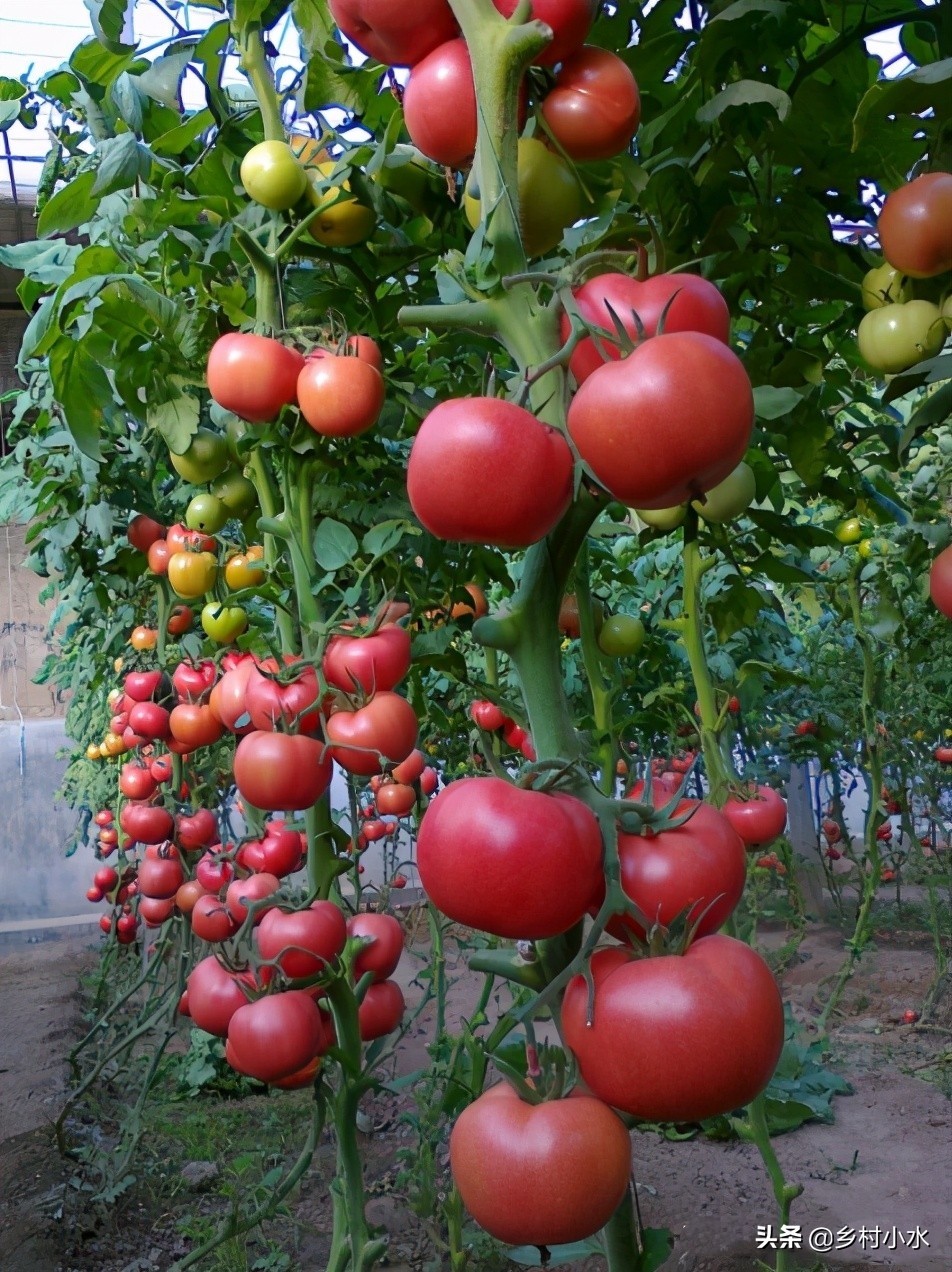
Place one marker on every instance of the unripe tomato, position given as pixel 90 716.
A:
pixel 206 513
pixel 272 175
pixel 550 197
pixel 236 492
pixel 622 635
pixel 885 285
pixel 663 519
pixel 850 530
pixel 223 623
pixel 204 459
pixel 730 498
pixel 896 337
pixel 340 221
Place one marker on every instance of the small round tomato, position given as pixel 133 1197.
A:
pixel 236 492
pixel 180 620
pixel 272 175
pixel 394 799
pixel 142 532
pixel 340 221
pixel 621 636
pixel 759 815
pixel 380 1010
pixel 206 513
pixel 143 638
pixel 384 944
pixel 244 569
pixel 340 396
pixel 158 557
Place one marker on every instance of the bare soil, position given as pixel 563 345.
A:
pixel 886 1161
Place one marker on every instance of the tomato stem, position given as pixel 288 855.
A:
pixel 254 63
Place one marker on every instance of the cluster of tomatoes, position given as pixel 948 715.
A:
pixel 899 330
pixel 492 719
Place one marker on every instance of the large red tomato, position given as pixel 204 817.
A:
pixel 387 726
pixel 914 226
pixel 483 470
pixel 513 862
pixel 281 771
pixel 306 940
pixel 680 1037
pixel 392 31
pixel 371 663
pixel 760 817
pixel 570 20
pixel 594 107
pixel 253 376
pixel 693 303
pixel 147 823
pixel 381 1010
pixel 276 1036
pixel 382 953
pixel 539 1174
pixel 940 582
pixel 666 423
pixel 439 105
pixel 228 698
pixel 340 396
pixel 697 869
pixel 273 705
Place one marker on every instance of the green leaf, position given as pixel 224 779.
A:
pixel 109 20
pixel 771 403
pixel 383 538
pixel 83 391
pixel 74 205
pixel 530 1257
pixel 334 544
pixel 887 619
pixel 119 164
pixel 932 371
pixel 745 93
pixel 128 101
pixel 177 421
pixel 12 93
pixel 923 89
pixel 162 80
pixel 934 410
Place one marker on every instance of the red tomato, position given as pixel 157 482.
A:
pixel 411 770
pixel 160 876
pixel 214 995
pixel 942 755
pixel 255 888
pixel 142 532
pixel 759 818
pixel 273 705
pixel 386 727
pixel 158 557
pixel 147 824
pixel 276 1036
pixel 940 582
pixel 594 107
pixel 570 20
pixel 439 105
pixel 304 942
pixel 482 470
pixel 382 953
pixel 187 895
pixel 280 852
pixel 370 663
pixel 677 1038
pixel 513 862
pixel 136 782
pixel 154 911
pixel 228 698
pixel 395 34
pixel 693 303
pixel 149 720
pixel 340 396
pixel 214 870
pixel 161 768
pixel 381 1010
pixel 193 681
pixel 211 921
pixel 365 348
pixel 487 715
pixel 281 771
pixel 144 686
pixel 667 423
pixel 695 869
pixel 578 1141
pixel 194 725
pixel 253 376
pixel 180 621
pixel 914 226
pixel 394 799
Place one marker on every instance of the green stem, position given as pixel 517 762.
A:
pixel 621 1234
pixel 254 63
pixel 598 685
pixel 756 1131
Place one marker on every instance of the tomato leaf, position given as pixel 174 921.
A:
pixel 905 95
pixel 177 421
pixel 69 207
pixel 530 1257
pixel 83 391
pixel 334 544
pixel 745 93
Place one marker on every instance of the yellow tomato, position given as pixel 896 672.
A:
pixel 340 222
pixel 192 574
pixel 241 570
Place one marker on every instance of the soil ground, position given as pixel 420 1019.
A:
pixel 885 1162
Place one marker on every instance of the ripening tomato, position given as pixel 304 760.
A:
pixel 253 376
pixel 272 175
pixel 376 661
pixel 680 1037
pixel 482 470
pixel 246 569
pixel 380 1010
pixel 758 814
pixel 940 582
pixel 687 301
pixel 142 532
pixel 594 107
pixel 340 396
pixel 179 621
pixel 158 557
pixel 578 1142
pixel 192 574
pixel 393 33
pixel 341 221
pixel 550 196
pixel 385 729
pixel 569 20
pixel 195 725
pixel 439 105
pixel 541 852
pixel 281 771
pixel 914 226
pixel 384 937
pixel 666 423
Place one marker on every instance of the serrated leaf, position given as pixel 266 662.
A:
pixel 334 544
pixel 177 421
pixel 745 93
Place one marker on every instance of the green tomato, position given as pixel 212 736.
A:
pixel 896 337
pixel 662 518
pixel 869 548
pixel 730 498
pixel 409 175
pixel 849 531
pixel 236 492
pixel 550 197
pixel 622 635
pixel 223 623
pixel 947 311
pixel 206 513
pixel 885 285
pixel 205 459
pixel 272 175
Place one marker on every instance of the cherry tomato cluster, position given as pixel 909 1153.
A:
pixel 492 719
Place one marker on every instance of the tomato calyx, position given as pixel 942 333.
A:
pixel 550 1073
